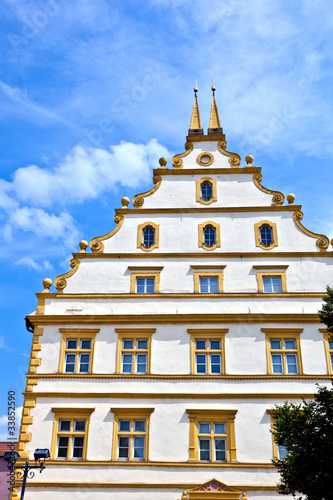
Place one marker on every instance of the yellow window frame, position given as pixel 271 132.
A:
pixel 134 333
pixel 156 228
pixel 70 414
pixel 275 445
pixel 270 224
pixel 130 414
pixel 207 274
pixel 199 183
pixel 155 275
pixel 269 274
pixel 201 228
pixel 212 416
pixel 281 334
pixel 328 351
pixel 207 334
pixel 79 334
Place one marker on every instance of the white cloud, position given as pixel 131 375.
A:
pixel 31 264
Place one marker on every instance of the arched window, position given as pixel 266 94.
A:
pixel 266 235
pixel 209 233
pixel 206 191
pixel 148 236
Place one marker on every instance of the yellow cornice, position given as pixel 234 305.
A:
pixel 205 171
pixel 204 138
pixel 208 209
pixel 195 255
pixel 192 295
pixel 123 376
pixel 275 266
pixel 125 319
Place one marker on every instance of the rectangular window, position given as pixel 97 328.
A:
pixel 134 350
pixel 283 351
pixel 207 351
pixel 209 285
pixel 131 433
pixel 208 282
pixel 148 282
pixel 212 435
pixel 279 451
pixel 328 342
pixel 271 282
pixel 77 350
pixel 70 433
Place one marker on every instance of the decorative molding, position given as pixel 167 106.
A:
pixel 200 171
pixel 107 376
pixel 215 210
pixel 96 244
pixel 199 183
pixel 60 282
pixel 322 241
pixel 203 155
pixel 145 268
pixel 141 228
pixel 275 266
pixel 138 199
pixel 24 436
pixel 278 197
pixel 234 158
pixel 201 228
pixel 204 267
pixel 272 226
pixel 177 161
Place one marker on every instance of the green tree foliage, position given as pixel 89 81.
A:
pixel 306 431
pixel 326 313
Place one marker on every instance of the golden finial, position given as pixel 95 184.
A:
pixel 291 198
pixel 125 202
pixel 213 88
pixel 162 161
pixel 83 246
pixel 195 89
pixel 47 283
pixel 249 160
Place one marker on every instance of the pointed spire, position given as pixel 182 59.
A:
pixel 195 126
pixel 214 120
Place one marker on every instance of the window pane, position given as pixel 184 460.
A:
pixel 266 235
pixel 206 191
pixel 124 425
pixel 63 446
pixel 220 449
pixel 142 344
pixel 267 284
pixel 213 285
pixel 282 452
pixel 200 344
pixel 128 344
pixel 332 360
pixel 209 236
pixel 84 363
pixel 204 428
pixel 219 428
pixel 64 425
pixel 79 425
pixel 78 447
pixel 139 425
pixel 290 344
pixel 148 236
pixel 277 363
pixel 141 363
pixel 140 285
pixel 215 344
pixel 139 447
pixel 70 363
pixel 275 344
pixel 123 451
pixel 127 363
pixel 330 344
pixel 203 283
pixel 277 286
pixel 291 363
pixel 204 445
pixel 215 363
pixel 150 285
pixel 71 344
pixel 86 344
pixel 201 363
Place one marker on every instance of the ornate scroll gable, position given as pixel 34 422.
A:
pixel 60 282
pixel 278 197
pixel 138 199
pixel 96 244
pixel 234 158
pixel 177 161
pixel 322 241
pixel 215 489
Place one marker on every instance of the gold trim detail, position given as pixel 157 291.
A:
pixel 322 241
pixel 199 183
pixel 207 163
pixel 134 333
pixel 141 228
pixel 96 244
pixel 130 414
pixel 155 275
pixel 282 333
pixel 187 395
pixel 24 436
pixel 214 488
pixel 278 197
pixel 145 268
pixel 214 333
pixel 275 266
pixel 177 161
pixel 214 210
pixel 78 333
pixel 207 274
pixel 283 282
pixel 328 351
pixel 234 158
pixel 138 199
pixel 272 226
pixel 227 416
pixel 204 267
pixel 275 446
pixel 201 228
pixel 60 282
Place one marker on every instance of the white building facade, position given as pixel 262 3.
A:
pixel 156 361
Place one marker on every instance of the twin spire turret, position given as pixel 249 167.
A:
pixel 214 120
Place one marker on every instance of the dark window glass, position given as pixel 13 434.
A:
pixel 148 236
pixel 206 191
pixel 209 236
pixel 266 235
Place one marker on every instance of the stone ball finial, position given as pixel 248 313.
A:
pixel 47 283
pixel 184 497
pixel 83 246
pixel 249 160
pixel 332 242
pixel 125 202
pixel 163 161
pixel 291 198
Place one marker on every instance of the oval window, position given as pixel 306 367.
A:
pixel 148 236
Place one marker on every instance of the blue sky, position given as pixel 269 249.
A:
pixel 93 92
